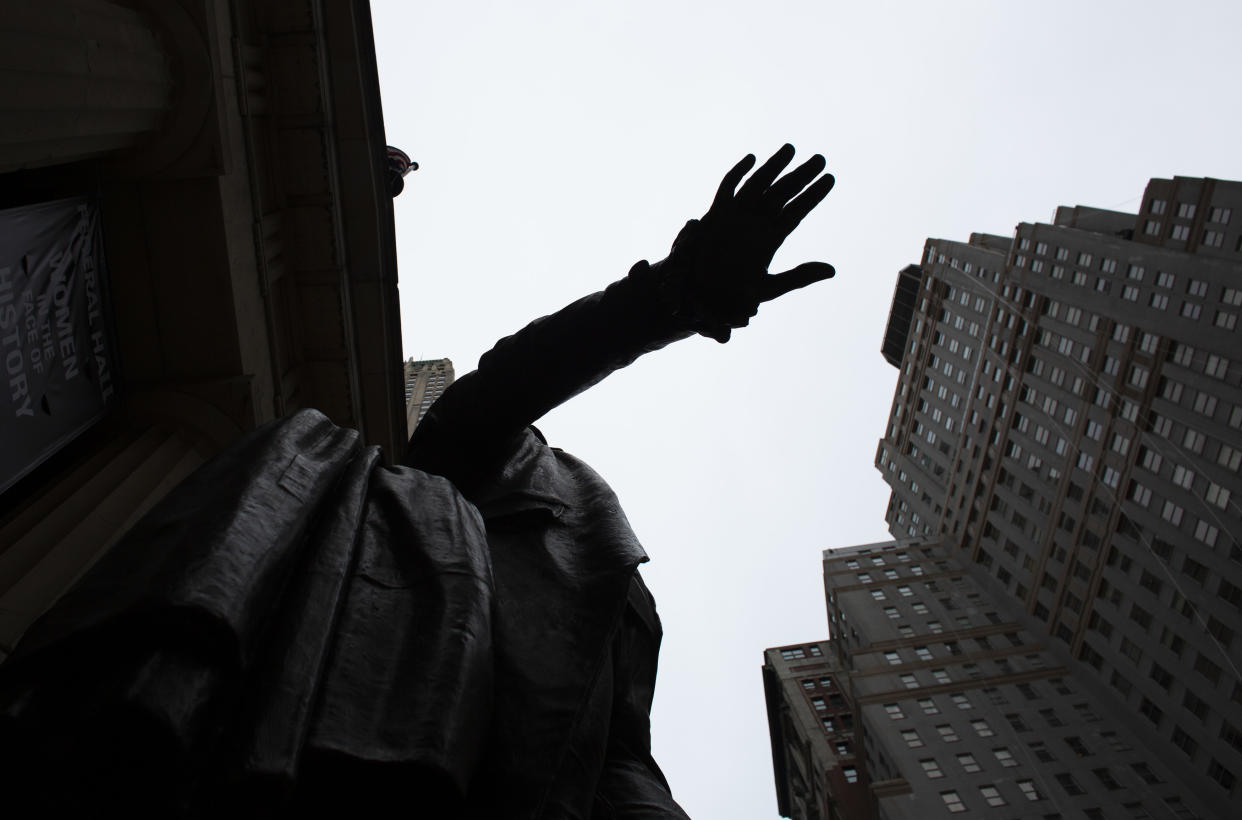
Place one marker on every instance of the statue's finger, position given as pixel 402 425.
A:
pixel 788 186
pixel 805 202
pixel 761 179
pixel 729 184
pixel 778 284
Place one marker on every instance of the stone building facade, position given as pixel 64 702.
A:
pixel 235 152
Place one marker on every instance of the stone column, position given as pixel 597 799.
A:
pixel 82 79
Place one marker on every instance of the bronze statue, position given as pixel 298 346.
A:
pixel 298 630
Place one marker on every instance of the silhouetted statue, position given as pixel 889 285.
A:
pixel 297 630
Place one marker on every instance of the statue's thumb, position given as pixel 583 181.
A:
pixel 808 273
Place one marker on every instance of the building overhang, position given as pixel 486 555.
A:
pixel 901 314
pixel 775 704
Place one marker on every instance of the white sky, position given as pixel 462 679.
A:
pixel 560 142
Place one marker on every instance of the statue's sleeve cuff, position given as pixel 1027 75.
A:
pixel 670 286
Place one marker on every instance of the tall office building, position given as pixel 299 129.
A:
pixel 1064 448
pixel 425 381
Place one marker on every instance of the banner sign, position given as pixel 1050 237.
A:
pixel 57 357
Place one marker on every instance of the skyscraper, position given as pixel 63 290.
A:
pixel 425 381
pixel 1064 447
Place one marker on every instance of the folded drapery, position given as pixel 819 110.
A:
pixel 293 606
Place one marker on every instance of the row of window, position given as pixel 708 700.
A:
pixel 800 652
pixel 891 574
pixel 991 795
pixel 947 733
pixel 879 560
pixel 1186 210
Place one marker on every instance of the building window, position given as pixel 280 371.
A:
pixel 1206 533
pixel 962 702
pixel 1207 668
pixel 912 739
pixel 1005 757
pixel 947 733
pixel 992 795
pixel 1205 404
pixel 1077 746
pixel 1180 232
pixel 969 764
pixel 851 774
pixel 909 681
pixel 1151 711
pixel 1069 784
pixel 928 706
pixel 982 728
pixel 1184 742
pixel 931 768
pixel 1221 775
pixel 1146 774
pixel 1217 495
pixel 894 711
pixel 953 802
pixel 1029 791
pixel 1196 706
pixel 1186 210
pixel 892 657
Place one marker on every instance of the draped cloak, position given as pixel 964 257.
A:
pixel 299 629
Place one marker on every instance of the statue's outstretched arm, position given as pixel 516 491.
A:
pixel 712 281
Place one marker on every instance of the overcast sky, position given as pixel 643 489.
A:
pixel 561 142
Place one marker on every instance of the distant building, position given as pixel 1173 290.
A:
pixel 814 739
pixel 425 381
pixel 1063 448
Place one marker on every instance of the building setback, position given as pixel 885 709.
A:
pixel 425 381
pixel 1063 450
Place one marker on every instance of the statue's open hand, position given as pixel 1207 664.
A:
pixel 726 254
